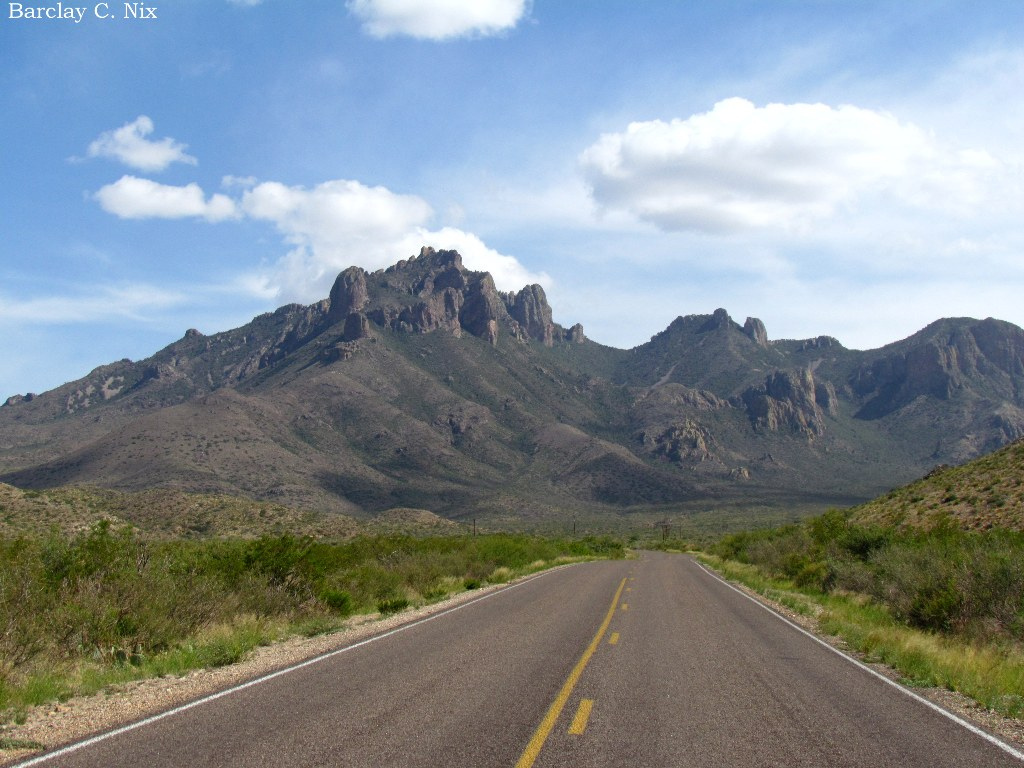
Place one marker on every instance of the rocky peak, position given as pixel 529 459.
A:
pixel 720 319
pixel 755 329
pixel 434 291
pixel 530 309
pixel 349 294
pixel 483 308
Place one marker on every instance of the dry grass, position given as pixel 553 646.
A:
pixel 982 494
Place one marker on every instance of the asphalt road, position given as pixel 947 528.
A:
pixel 652 662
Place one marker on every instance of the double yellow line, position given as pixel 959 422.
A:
pixel 540 736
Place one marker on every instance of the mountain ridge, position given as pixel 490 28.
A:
pixel 423 386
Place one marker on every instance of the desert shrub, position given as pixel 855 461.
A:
pixel 392 604
pixel 336 600
pixel 942 580
pixel 500 575
pixel 24 605
pixel 109 599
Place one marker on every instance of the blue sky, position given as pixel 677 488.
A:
pixel 843 168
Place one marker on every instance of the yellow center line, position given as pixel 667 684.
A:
pixel 614 639
pixel 625 606
pixel 532 751
pixel 579 722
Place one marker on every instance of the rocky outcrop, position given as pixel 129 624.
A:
pixel 349 294
pixel 719 320
pixel 482 309
pixel 530 309
pixel 825 396
pixel 821 342
pixel 357 326
pixel 755 329
pixel 15 399
pixel 435 292
pixel 1008 422
pixel 790 400
pixel 300 324
pixel 687 442
pixel 677 396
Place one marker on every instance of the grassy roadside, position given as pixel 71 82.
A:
pixel 80 613
pixel 990 672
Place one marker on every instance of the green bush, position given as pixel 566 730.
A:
pixel 337 600
pixel 107 598
pixel 943 580
pixel 392 604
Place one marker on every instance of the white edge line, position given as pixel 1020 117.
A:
pixel 902 689
pixel 74 747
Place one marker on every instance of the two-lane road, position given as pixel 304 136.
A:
pixel 651 662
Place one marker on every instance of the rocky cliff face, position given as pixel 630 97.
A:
pixel 755 329
pixel 348 295
pixel 435 292
pixel 946 359
pixel 791 400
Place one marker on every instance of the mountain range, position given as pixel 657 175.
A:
pixel 424 386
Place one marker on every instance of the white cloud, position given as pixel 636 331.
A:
pixel 133 198
pixel 342 223
pixel 438 19
pixel 783 166
pixel 129 145
pixel 508 273
pixel 332 226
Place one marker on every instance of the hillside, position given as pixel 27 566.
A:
pixel 167 514
pixel 981 494
pixel 422 386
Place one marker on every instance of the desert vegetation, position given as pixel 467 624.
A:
pixel 943 605
pixel 81 611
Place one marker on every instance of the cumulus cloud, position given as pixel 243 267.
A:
pixel 784 166
pixel 508 273
pixel 341 223
pixel 332 226
pixel 129 145
pixel 438 19
pixel 133 198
